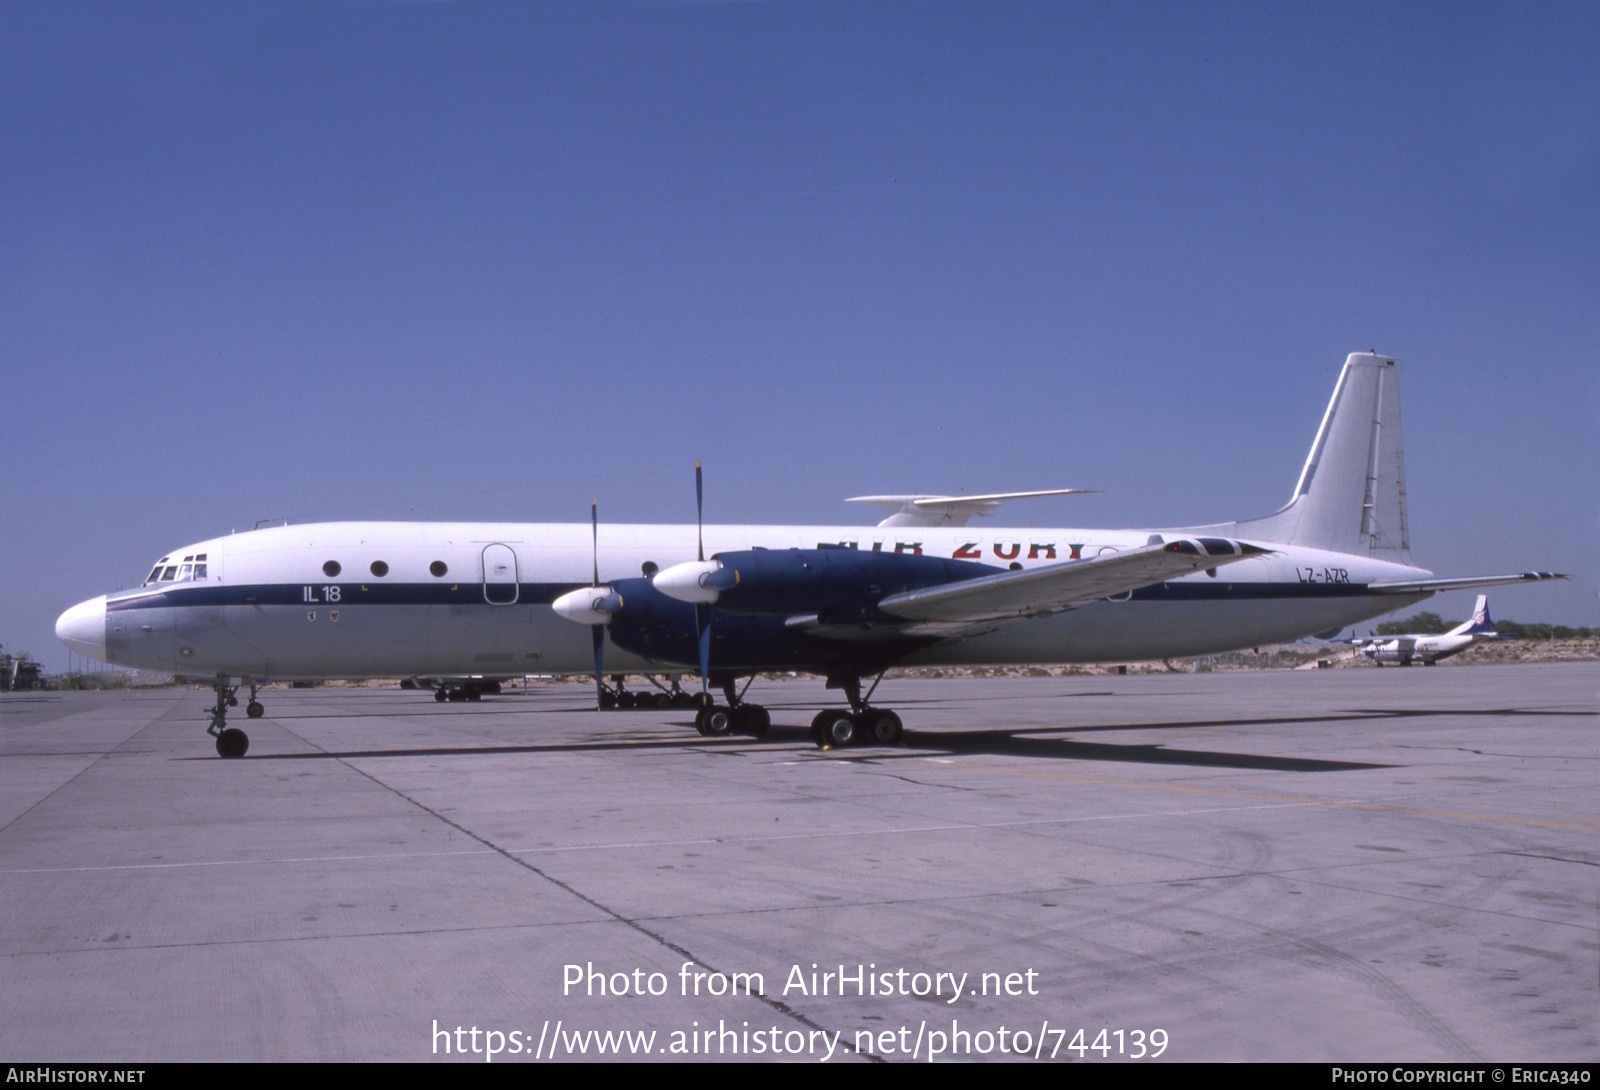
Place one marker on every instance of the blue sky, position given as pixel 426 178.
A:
pixel 414 261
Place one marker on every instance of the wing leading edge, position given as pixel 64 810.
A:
pixel 919 510
pixel 960 608
pixel 1414 586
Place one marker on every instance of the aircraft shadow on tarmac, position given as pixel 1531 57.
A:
pixel 1024 743
pixel 1034 743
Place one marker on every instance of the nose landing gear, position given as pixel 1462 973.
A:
pixel 231 741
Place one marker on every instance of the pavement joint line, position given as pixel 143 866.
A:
pixel 1268 803
pixel 777 1005
pixel 98 757
pixel 629 845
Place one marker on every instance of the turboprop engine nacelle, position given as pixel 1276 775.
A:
pixel 667 631
pixel 837 583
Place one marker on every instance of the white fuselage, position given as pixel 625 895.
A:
pixel 1405 650
pixel 265 607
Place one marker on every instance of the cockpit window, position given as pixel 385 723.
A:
pixel 191 567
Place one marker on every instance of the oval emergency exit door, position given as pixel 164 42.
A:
pixel 500 575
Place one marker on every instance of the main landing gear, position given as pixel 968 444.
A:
pixel 618 695
pixel 738 717
pixel 870 726
pixel 456 692
pixel 231 741
pixel 861 725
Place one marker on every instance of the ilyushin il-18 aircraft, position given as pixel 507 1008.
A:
pixel 1407 649
pixel 477 600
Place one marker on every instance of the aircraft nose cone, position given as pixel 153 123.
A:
pixel 83 628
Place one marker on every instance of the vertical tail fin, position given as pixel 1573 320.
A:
pixel 1481 622
pixel 1351 495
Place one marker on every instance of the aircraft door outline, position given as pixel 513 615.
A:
pixel 501 586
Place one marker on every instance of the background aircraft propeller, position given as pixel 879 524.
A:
pixel 598 631
pixel 702 610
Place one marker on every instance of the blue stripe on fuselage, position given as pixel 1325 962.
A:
pixel 381 594
pixel 348 594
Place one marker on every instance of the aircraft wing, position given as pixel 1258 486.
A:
pixel 1413 586
pixel 958 608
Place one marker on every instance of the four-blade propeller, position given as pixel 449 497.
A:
pixel 596 605
pixel 593 605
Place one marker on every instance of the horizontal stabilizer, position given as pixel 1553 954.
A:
pixel 1414 586
pixel 920 510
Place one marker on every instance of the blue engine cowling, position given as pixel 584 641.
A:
pixel 839 585
pixel 749 621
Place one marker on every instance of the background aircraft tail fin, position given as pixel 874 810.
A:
pixel 1351 495
pixel 1481 621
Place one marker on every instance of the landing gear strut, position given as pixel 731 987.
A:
pixel 231 741
pixel 861 725
pixel 737 718
pixel 466 690
pixel 617 695
pixel 710 719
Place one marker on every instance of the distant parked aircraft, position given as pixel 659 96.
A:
pixel 1404 650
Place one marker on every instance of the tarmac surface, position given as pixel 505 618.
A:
pixel 1360 865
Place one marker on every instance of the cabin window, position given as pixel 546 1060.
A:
pixel 649 568
pixel 331 568
pixel 438 569
pixel 380 569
